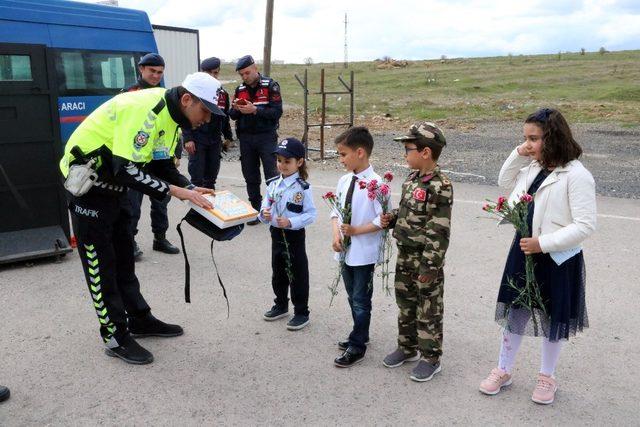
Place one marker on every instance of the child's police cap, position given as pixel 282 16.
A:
pixel 210 64
pixel 290 147
pixel 424 133
pixel 152 59
pixel 244 62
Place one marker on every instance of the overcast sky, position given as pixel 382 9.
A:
pixel 411 29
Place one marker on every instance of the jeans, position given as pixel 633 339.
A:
pixel 359 284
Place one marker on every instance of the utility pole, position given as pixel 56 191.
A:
pixel 346 61
pixel 268 30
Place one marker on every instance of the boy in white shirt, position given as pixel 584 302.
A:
pixel 363 232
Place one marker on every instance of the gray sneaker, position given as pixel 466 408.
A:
pixel 398 357
pixel 424 371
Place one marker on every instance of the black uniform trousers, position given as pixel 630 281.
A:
pixel 299 266
pixel 101 223
pixel 159 218
pixel 256 148
pixel 204 164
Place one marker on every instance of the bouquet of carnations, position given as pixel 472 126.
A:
pixel 344 216
pixel 527 296
pixel 381 191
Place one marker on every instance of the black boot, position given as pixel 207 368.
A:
pixel 137 253
pixel 148 326
pixel 4 393
pixel 130 351
pixel 160 243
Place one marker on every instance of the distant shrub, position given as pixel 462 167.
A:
pixel 582 51
pixel 602 50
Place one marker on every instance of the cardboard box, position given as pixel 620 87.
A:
pixel 229 209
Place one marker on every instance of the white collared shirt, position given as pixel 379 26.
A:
pixel 364 248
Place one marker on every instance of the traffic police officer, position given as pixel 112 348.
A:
pixel 204 144
pixel 256 108
pixel 121 136
pixel 151 68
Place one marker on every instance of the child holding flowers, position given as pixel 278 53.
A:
pixel 421 228
pixel 289 208
pixel 546 264
pixel 356 237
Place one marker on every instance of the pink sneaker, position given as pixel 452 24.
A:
pixel 545 391
pixel 495 381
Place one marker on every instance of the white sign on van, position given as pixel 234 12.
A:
pixel 72 106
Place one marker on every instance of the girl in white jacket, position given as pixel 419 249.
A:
pixel 561 217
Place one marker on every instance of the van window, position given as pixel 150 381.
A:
pixel 15 68
pixel 94 73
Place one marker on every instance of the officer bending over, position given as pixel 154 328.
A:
pixel 124 134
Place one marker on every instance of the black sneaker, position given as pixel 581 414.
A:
pixel 130 351
pixel 349 358
pixel 297 322
pixel 149 326
pixel 343 345
pixel 275 313
pixel 161 244
pixel 4 393
pixel 137 253
pixel 254 222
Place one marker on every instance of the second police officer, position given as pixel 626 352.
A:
pixel 204 144
pixel 151 69
pixel 256 108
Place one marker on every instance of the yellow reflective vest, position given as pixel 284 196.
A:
pixel 135 126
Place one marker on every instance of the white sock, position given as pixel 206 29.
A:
pixel 550 356
pixel 508 350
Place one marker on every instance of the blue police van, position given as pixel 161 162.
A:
pixel 59 60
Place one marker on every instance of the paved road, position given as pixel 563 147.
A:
pixel 243 370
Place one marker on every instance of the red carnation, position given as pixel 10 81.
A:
pixel 388 176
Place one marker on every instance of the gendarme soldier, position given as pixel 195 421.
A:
pixel 256 108
pixel 204 144
pixel 151 69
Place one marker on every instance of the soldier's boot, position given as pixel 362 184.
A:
pixel 160 243
pixel 130 351
pixel 4 393
pixel 256 206
pixel 137 252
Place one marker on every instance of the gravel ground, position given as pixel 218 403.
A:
pixel 475 154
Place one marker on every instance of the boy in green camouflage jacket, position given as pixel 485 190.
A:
pixel 421 227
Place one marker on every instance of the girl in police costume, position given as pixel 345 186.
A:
pixel 289 208
pixel 561 216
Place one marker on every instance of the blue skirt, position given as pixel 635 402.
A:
pixel 562 288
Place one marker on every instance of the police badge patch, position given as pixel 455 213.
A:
pixel 298 197
pixel 140 140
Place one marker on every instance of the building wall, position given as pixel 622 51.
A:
pixel 180 50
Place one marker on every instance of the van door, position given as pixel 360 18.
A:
pixel 33 217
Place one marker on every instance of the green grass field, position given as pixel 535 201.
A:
pixel 587 88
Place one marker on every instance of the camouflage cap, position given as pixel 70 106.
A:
pixel 424 133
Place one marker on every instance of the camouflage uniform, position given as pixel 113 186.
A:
pixel 421 228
